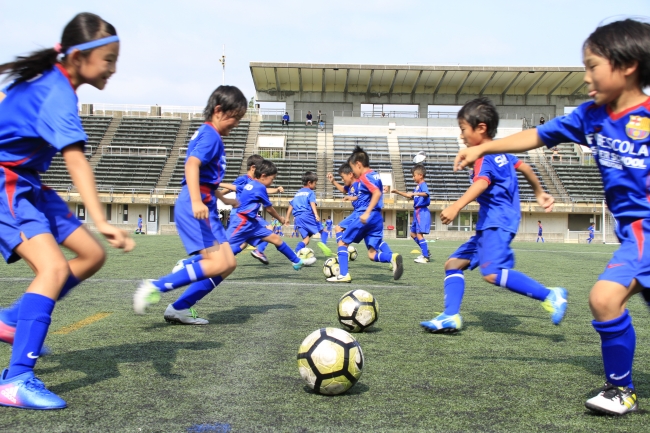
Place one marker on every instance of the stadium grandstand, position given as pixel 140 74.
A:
pixel 137 152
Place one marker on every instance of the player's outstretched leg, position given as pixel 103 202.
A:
pixel 450 320
pixel 344 273
pixel 182 311
pixel 258 253
pixel 285 249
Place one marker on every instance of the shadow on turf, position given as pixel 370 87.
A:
pixel 491 321
pixel 357 389
pixel 102 363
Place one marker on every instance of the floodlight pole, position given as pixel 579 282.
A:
pixel 222 60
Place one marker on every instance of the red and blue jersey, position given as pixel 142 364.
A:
pixel 39 118
pixel 499 203
pixel 302 201
pixel 207 146
pixel 369 182
pixel 252 195
pixel 619 142
pixel 353 191
pixel 419 201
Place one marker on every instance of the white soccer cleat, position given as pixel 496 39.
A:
pixel 310 261
pixel 340 279
pixel 185 317
pixel 146 294
pixel 614 400
pixel 178 266
pixel 421 259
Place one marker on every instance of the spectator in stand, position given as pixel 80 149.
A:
pixel 285 118
pixel 320 117
pixel 321 125
pixel 541 120
pixel 556 152
pixel 309 117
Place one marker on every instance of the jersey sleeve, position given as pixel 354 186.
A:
pixel 424 188
pixel 58 121
pixel 483 170
pixel 368 184
pixel 565 128
pixel 207 147
pixel 516 162
pixel 311 198
pixel 263 196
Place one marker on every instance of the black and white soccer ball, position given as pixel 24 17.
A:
pixel 352 253
pixel 358 310
pixel 331 267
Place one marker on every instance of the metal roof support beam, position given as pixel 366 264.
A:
pixel 462 85
pixel 415 86
pixel 345 89
pixel 530 89
pixel 392 84
pixel 277 81
pixel 323 81
pixel 578 89
pixel 435 92
pixel 487 83
pixel 559 84
pixel 372 72
pixel 300 81
pixel 503 94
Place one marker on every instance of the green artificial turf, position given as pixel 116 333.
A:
pixel 509 370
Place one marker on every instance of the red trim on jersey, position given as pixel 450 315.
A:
pixel 208 193
pixel 10 188
pixel 244 220
pixel 485 178
pixel 213 127
pixel 637 229
pixel 518 163
pixel 617 116
pixel 60 67
pixel 371 186
pixel 417 214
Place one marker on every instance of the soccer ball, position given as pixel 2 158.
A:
pixel 330 360
pixel 305 253
pixel 331 267
pixel 352 253
pixel 358 310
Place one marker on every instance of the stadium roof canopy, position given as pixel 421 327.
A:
pixel 275 81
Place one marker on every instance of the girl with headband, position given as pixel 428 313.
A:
pixel 38 118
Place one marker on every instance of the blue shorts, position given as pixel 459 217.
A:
pixel 489 248
pixel 307 225
pixel 421 220
pixel 372 232
pixel 632 260
pixel 30 208
pixel 251 231
pixel 198 235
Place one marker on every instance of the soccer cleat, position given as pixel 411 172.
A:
pixel 340 279
pixel 186 317
pixel 443 323
pixel 147 294
pixel 304 262
pixel 325 249
pixel 398 266
pixel 26 391
pixel 421 259
pixel 614 400
pixel 178 266
pixel 555 303
pixel 260 256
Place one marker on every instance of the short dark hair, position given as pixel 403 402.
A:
pixel 84 27
pixel 359 155
pixel 345 168
pixel 623 43
pixel 538 221
pixel 266 168
pixel 231 100
pixel 309 176
pixel 253 160
pixel 480 110
pixel 419 168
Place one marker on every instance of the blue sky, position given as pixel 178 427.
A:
pixel 170 49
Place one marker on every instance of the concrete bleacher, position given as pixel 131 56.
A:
pixel 566 154
pixel 300 137
pixel 376 147
pixel 95 127
pixel 129 171
pixel 582 182
pixel 290 173
pixel 435 147
pixel 146 132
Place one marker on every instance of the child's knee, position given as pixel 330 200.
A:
pixel 491 278
pixel 56 269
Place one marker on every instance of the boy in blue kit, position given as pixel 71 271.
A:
pixel 421 224
pixel 366 223
pixel 328 226
pixel 39 117
pixel 305 214
pixel 495 188
pixel 350 188
pixel 250 229
pixel 616 125
pixel 197 216
pixel 139 229
pixel 592 231
pixel 540 232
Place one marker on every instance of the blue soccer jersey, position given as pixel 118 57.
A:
pixel 419 201
pixel 353 191
pixel 499 203
pixel 329 224
pixel 619 143
pixel 38 118
pixel 252 196
pixel 368 183
pixel 302 201
pixel 207 146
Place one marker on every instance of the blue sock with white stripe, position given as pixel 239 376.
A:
pixel 300 246
pixel 339 236
pixel 34 317
pixel 381 256
pixel 261 247
pixel 618 342
pixel 192 259
pixel 185 276
pixel 522 284
pixel 425 249
pixel 288 253
pixel 385 249
pixel 196 292
pixel 343 259
pixel 323 237
pixel 454 291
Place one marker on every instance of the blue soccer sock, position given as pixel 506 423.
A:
pixel 342 253
pixel 262 246
pixel 383 254
pixel 323 237
pixel 70 283
pixel 236 249
pixel 454 291
pixel 300 246
pixel 618 341
pixel 189 274
pixel 196 292
pixel 192 259
pixel 384 248
pixel 34 319
pixel 288 253
pixel 416 240
pixel 522 284
pixel 339 236
pixel 425 248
